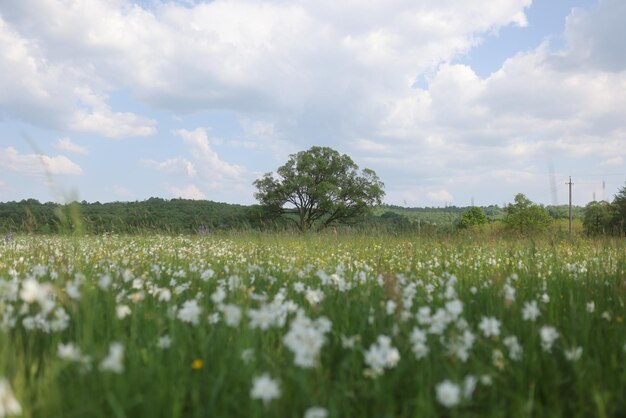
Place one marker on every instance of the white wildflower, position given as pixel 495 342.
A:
pixel 8 402
pixel 469 385
pixel 591 307
pixel 530 311
pixel 448 393
pixel 114 361
pixel 306 339
pixel 419 343
pixel 349 342
pixel 190 312
pixel 548 336
pixel 390 307
pixel 104 282
pixel 545 298
pixel 490 326
pixel 122 311
pixel 247 355
pixel 316 412
pixel 265 388
pixel 454 308
pixel 381 355
pixel 164 342
pixel 514 348
pixel 232 315
pixel 573 354
pixel 314 296
pixel 219 295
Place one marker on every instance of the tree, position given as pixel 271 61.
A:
pixel 320 187
pixel 598 218
pixel 525 216
pixel 474 216
pixel 619 210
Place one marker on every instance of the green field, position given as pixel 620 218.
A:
pixel 261 325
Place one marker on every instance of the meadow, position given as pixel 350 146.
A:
pixel 262 325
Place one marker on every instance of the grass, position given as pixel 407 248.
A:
pixel 366 287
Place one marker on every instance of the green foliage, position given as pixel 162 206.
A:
pixel 152 215
pixel 474 216
pixel 319 187
pixel 524 216
pixel 598 218
pixel 619 210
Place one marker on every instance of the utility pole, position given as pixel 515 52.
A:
pixel 570 206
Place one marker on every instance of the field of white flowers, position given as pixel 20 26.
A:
pixel 286 326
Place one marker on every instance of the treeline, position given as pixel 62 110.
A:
pixel 181 216
pixel 152 215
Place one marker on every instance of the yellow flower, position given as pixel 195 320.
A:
pixel 197 364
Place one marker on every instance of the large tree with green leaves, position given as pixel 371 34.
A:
pixel 319 187
pixel 525 216
pixel 619 210
pixel 598 219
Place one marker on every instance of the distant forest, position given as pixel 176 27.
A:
pixel 181 216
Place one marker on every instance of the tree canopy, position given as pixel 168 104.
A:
pixel 525 216
pixel 319 187
pixel 474 216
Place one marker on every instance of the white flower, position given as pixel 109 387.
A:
pixel 381 355
pixel 548 336
pixel 469 385
pixel 219 295
pixel 265 388
pixel 349 342
pixel 8 403
pixel 232 315
pixel 207 274
pixel 454 308
pixel 460 345
pixel 530 311
pixel 314 296
pixel 485 380
pixel 164 342
pixel 514 347
pixel 419 343
pixel 306 339
pixel 448 393
pixel 316 412
pixel 573 354
pixel 591 307
pixel 390 307
pixel 68 352
pixel 545 298
pixel 104 282
pixel 190 312
pixel 299 287
pixel 247 355
pixel 509 293
pixel 114 361
pixel 490 326
pixel 122 311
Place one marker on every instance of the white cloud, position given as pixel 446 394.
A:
pixel 613 162
pixel 37 164
pixel 205 157
pixel 122 192
pixel 189 192
pixel 66 144
pixel 440 196
pixel 46 91
pixel 173 165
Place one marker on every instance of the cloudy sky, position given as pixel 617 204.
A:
pixel 449 101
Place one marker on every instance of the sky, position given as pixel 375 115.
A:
pixel 449 102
